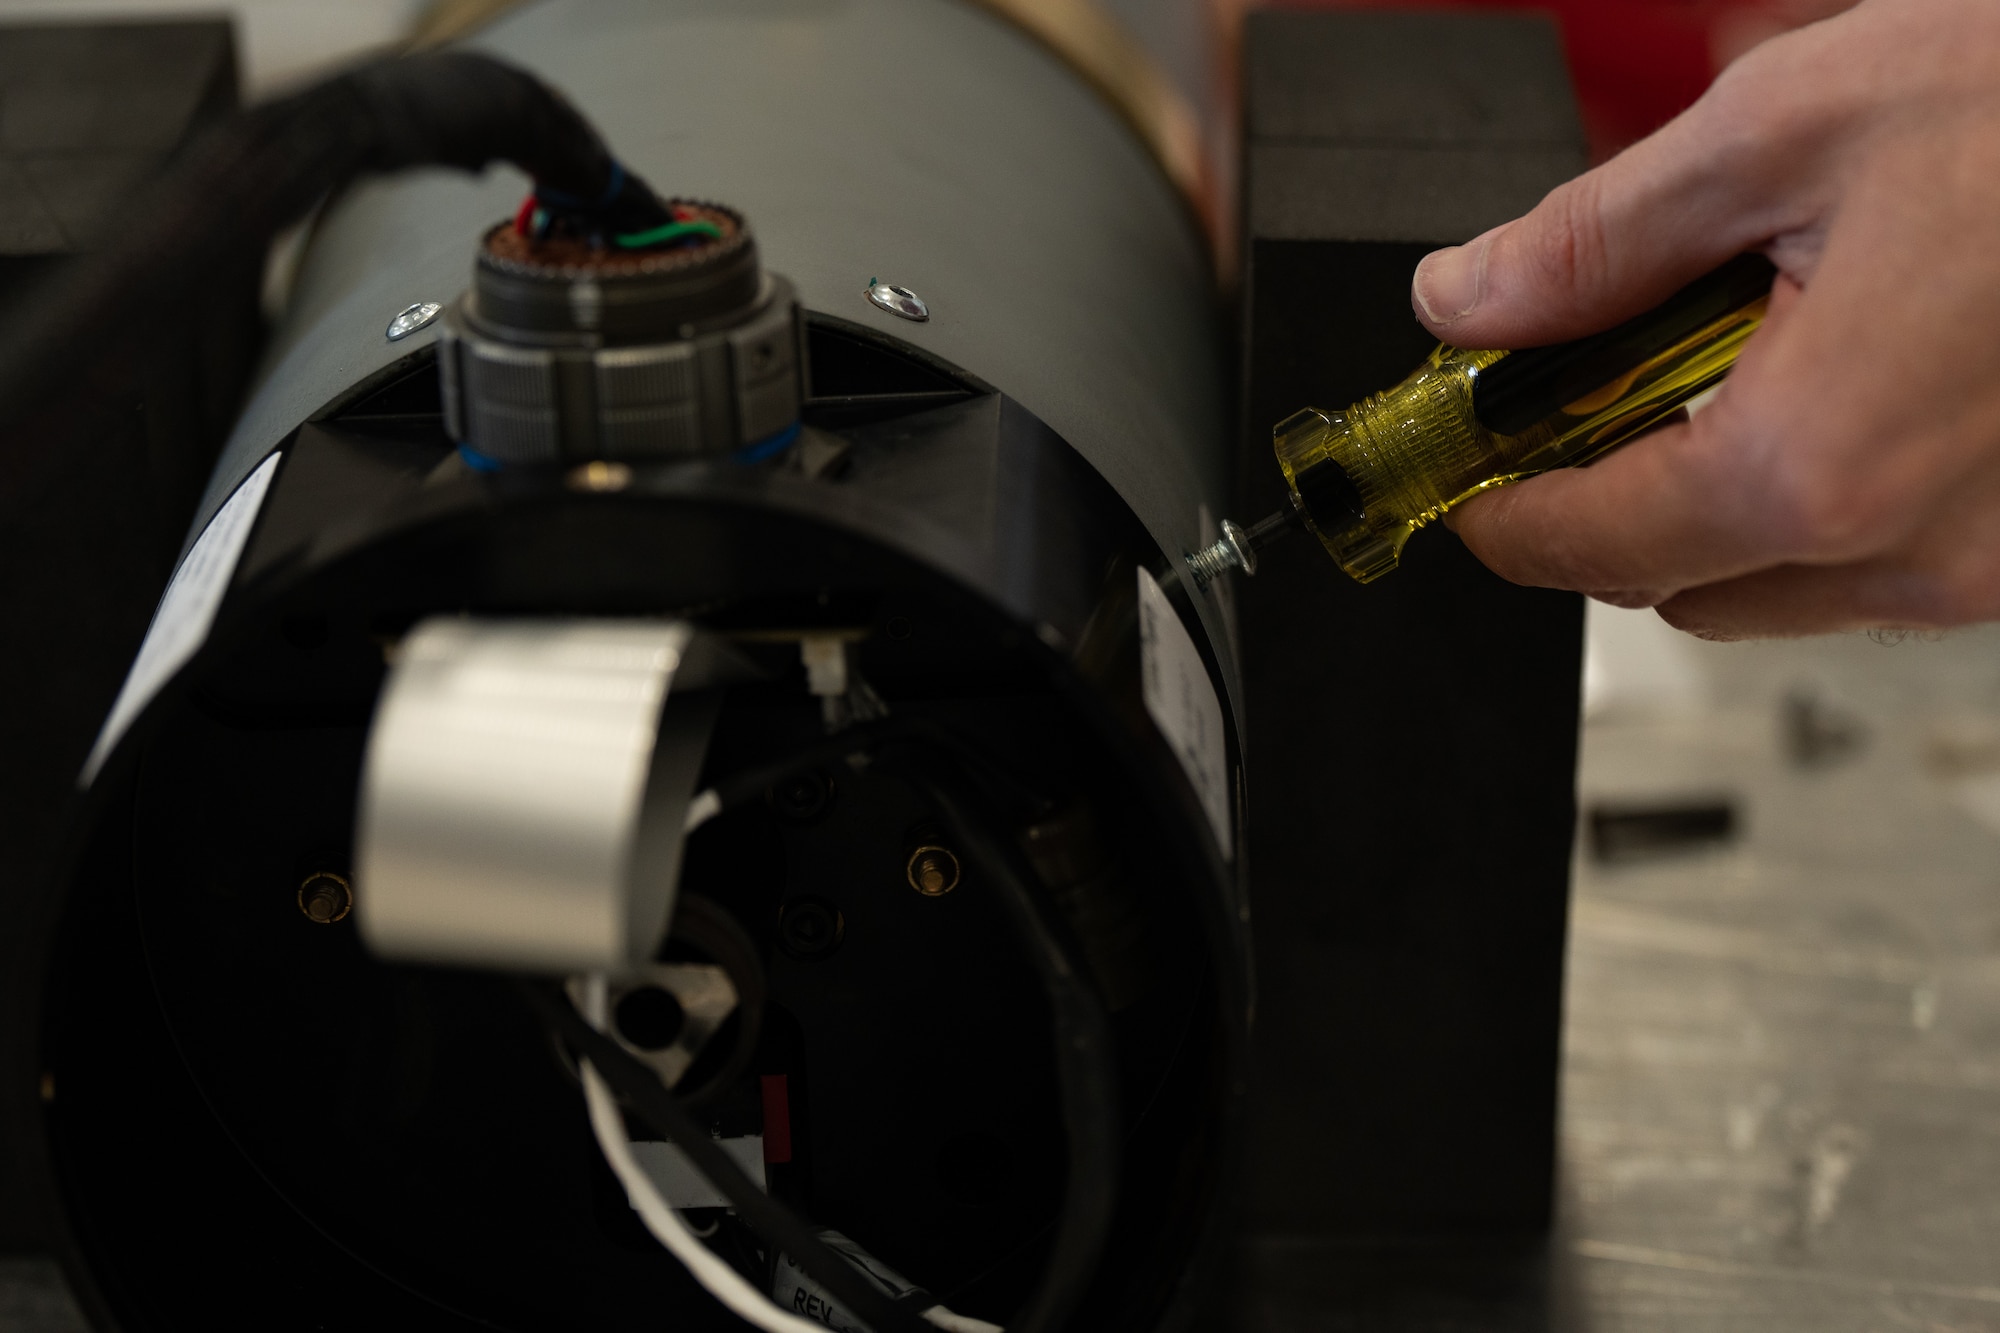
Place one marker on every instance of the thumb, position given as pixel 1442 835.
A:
pixel 1602 248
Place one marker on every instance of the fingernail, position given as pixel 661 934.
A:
pixel 1449 283
pixel 1630 599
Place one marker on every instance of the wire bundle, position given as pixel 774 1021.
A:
pixel 549 214
pixel 242 182
pixel 1082 1048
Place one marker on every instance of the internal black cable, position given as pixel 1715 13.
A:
pixel 750 784
pixel 651 1100
pixel 1083 1053
pixel 1081 1031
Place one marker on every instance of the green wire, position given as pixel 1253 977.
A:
pixel 672 231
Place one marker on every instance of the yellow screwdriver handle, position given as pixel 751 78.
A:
pixel 1466 421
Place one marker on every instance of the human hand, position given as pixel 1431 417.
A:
pixel 1847 475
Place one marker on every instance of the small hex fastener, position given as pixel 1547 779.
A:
pixel 898 301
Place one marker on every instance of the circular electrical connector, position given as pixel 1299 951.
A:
pixel 562 354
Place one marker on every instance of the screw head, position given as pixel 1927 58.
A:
pixel 810 928
pixel 325 898
pixel 1229 552
pixel 899 301
pixel 933 871
pixel 802 796
pixel 412 318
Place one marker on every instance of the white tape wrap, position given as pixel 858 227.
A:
pixel 502 797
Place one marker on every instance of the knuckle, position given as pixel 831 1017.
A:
pixel 1571 250
pixel 1811 504
pixel 1950 604
pixel 1964 592
pixel 1822 514
pixel 1767 109
pixel 1746 85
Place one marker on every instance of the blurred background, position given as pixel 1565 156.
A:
pixel 1637 63
pixel 1782 1069
pixel 278 42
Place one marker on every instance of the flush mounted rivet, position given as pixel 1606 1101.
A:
pixel 411 318
pixel 899 301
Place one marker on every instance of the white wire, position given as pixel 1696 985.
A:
pixel 701 809
pixel 708 1268
pixel 705 1265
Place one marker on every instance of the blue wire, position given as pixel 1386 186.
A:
pixel 769 447
pixel 762 451
pixel 571 201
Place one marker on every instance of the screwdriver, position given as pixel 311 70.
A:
pixel 1467 421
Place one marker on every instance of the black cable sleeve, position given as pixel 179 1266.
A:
pixel 657 1106
pixel 223 200
pixel 1083 1054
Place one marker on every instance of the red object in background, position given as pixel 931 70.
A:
pixel 1639 63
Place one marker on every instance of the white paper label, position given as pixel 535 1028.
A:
pixel 1184 706
pixel 683 1185
pixel 186 611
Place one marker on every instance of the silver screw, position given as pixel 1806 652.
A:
pixel 411 318
pixel 900 301
pixel 1232 551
